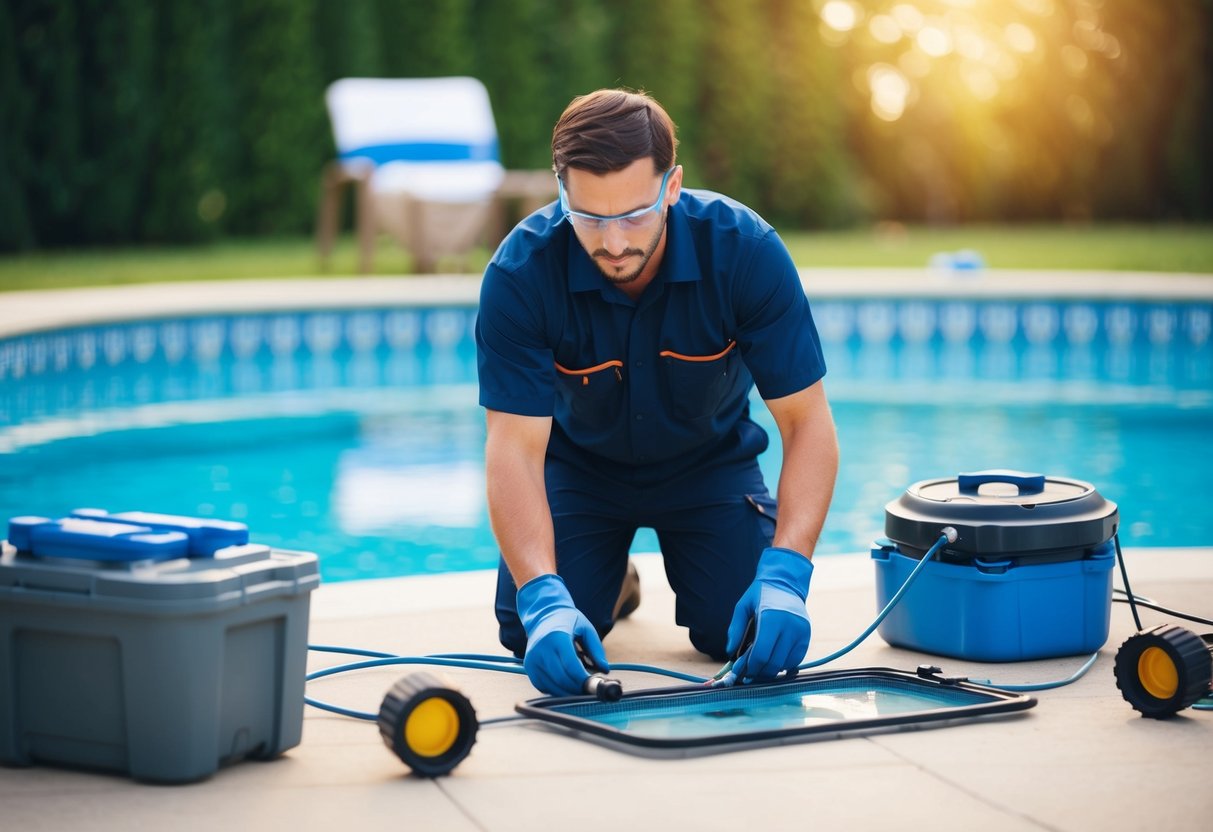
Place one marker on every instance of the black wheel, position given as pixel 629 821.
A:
pixel 427 724
pixel 1162 670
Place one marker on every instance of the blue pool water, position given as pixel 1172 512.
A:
pixel 746 710
pixel 357 434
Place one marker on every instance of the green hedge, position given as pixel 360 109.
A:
pixel 125 121
pixel 191 164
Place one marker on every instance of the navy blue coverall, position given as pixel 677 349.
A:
pixel 650 401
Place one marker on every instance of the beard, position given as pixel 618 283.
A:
pixel 615 274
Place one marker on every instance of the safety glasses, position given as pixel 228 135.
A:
pixel 631 221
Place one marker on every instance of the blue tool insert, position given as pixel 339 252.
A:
pixel 811 706
pixel 95 534
pixel 206 535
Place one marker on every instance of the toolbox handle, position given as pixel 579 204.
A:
pixel 1026 483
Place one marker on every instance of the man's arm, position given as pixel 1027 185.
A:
pixel 810 466
pixel 522 521
pixel 518 504
pixel 775 601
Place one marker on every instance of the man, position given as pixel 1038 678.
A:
pixel 619 334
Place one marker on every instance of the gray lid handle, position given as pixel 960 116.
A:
pixel 1026 483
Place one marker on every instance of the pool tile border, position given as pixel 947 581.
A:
pixel 40 310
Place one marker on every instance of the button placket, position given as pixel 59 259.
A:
pixel 642 392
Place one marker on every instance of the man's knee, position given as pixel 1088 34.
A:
pixel 708 628
pixel 712 643
pixel 707 618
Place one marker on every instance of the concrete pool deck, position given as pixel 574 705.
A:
pixel 1082 759
pixel 35 310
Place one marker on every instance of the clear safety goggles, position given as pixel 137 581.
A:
pixel 630 221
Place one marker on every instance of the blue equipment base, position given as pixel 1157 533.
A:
pixel 997 609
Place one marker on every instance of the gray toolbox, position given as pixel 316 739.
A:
pixel 156 646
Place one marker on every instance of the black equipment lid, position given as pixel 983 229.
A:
pixel 1002 512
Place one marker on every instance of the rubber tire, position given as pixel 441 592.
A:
pixel 400 701
pixel 1193 665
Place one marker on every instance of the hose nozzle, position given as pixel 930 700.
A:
pixel 602 688
pixel 598 685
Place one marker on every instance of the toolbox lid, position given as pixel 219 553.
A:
pixel 1002 512
pixel 99 563
pixel 235 576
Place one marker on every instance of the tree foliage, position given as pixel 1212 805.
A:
pixel 123 121
pixel 191 163
pixel 281 132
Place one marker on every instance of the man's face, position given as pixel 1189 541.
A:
pixel 619 217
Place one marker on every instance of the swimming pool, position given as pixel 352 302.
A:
pixel 356 433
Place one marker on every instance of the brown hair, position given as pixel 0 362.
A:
pixel 607 130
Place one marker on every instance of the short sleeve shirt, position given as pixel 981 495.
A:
pixel 661 382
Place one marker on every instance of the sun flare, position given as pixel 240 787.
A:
pixel 920 49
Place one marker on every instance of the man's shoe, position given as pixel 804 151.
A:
pixel 629 594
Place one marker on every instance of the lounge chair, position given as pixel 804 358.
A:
pixel 422 156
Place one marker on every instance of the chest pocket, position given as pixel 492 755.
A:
pixel 594 395
pixel 698 384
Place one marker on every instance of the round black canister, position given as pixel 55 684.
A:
pixel 1002 514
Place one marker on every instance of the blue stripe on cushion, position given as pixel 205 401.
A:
pixel 424 152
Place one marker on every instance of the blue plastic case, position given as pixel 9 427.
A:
pixel 994 609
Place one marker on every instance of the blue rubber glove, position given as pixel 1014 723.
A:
pixel 552 622
pixel 776 601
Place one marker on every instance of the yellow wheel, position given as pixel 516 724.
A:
pixel 1157 672
pixel 427 724
pixel 432 727
pixel 1162 670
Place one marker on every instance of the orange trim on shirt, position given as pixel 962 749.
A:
pixel 589 371
pixel 681 357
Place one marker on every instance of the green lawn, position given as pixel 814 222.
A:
pixel 1166 248
pixel 1144 248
